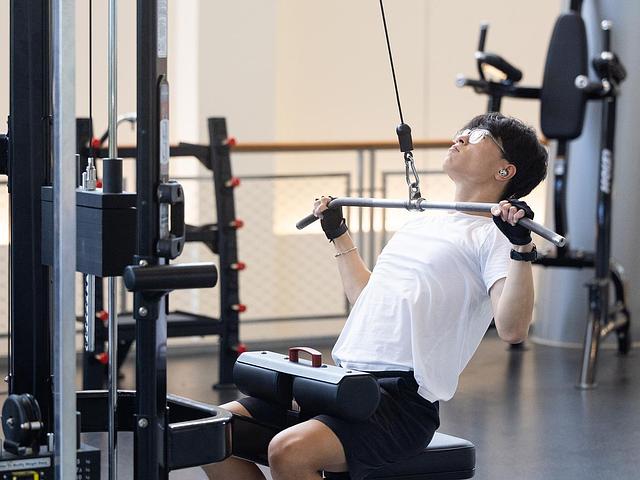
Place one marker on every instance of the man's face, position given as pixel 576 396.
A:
pixel 474 157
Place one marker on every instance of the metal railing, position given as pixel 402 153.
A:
pixel 366 161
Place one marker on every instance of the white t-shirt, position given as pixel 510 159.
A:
pixel 426 306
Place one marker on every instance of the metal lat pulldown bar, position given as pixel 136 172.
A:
pixel 421 204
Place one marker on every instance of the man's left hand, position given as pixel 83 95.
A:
pixel 506 215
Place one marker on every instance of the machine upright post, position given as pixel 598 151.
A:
pixel 599 288
pixel 64 250
pixel 150 443
pixel 29 141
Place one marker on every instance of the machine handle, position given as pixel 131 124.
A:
pixel 172 194
pixel 513 73
pixel 316 356
pixel 165 278
pixel 483 36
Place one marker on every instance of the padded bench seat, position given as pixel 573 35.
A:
pixel 446 458
pixel 321 388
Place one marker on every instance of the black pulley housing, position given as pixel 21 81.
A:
pixel 21 423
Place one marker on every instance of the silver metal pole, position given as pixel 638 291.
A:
pixel 113 379
pixel 113 80
pixel 372 233
pixel 587 375
pixel 423 204
pixel 64 243
pixel 122 303
pixel 360 172
pixel 112 304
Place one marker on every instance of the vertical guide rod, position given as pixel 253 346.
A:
pixel 64 249
pixel 371 254
pixel 360 173
pixel 113 79
pixel 112 304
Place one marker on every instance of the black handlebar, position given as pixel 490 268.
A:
pixel 483 36
pixel 512 73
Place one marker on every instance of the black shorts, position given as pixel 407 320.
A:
pixel 401 427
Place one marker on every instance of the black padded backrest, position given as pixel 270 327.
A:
pixel 562 105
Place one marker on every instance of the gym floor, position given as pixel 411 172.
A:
pixel 520 409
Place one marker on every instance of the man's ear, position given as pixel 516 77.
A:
pixel 506 173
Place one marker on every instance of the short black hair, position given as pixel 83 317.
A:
pixel 522 147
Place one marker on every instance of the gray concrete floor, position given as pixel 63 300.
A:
pixel 520 409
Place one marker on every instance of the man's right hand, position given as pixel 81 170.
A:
pixel 331 219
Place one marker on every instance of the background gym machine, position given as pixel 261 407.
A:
pixel 563 96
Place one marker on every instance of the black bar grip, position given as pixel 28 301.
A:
pixel 306 221
pixel 513 73
pixel 605 26
pixel 483 36
pixel 462 81
pixel 164 278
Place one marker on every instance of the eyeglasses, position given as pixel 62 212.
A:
pixel 476 135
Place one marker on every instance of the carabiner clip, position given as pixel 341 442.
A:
pixel 411 176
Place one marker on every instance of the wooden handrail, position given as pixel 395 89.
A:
pixel 334 146
pixel 265 147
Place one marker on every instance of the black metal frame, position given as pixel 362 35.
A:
pixel 227 249
pixel 159 445
pixel 220 238
pixel 150 442
pixel 29 168
pixel 602 319
pixel 195 433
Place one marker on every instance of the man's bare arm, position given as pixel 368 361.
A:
pixel 512 299
pixel 353 271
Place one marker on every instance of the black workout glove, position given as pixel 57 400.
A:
pixel 517 234
pixel 333 223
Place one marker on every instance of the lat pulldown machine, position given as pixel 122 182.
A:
pixel 44 415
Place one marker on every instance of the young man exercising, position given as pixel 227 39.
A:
pixel 419 316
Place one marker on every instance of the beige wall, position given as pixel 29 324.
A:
pixel 312 70
pixel 309 70
pixel 333 74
